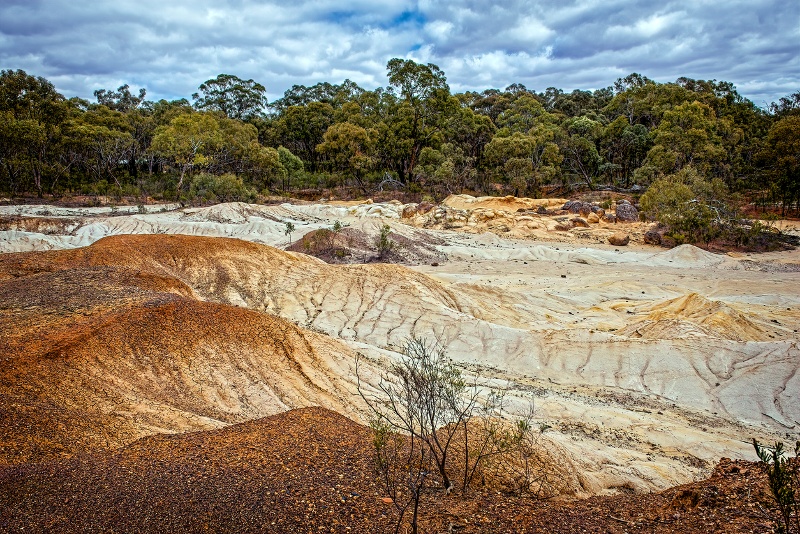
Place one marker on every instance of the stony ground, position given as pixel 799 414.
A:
pixel 311 470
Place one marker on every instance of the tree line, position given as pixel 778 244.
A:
pixel 413 135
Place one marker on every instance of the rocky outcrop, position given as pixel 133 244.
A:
pixel 652 237
pixel 626 212
pixel 620 239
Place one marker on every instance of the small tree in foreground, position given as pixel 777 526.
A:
pixel 425 396
pixel 426 420
pixel 383 243
pixel 783 475
pixel 419 407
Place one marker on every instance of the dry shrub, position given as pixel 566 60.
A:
pixel 514 458
pixel 326 244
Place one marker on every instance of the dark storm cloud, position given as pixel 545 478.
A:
pixel 172 47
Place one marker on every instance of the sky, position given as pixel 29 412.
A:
pixel 171 47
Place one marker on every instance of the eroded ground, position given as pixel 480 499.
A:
pixel 649 364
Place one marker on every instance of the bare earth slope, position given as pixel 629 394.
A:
pixel 310 470
pixel 96 356
pixel 648 364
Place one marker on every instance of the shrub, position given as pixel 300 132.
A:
pixel 383 243
pixel 427 419
pixel 224 188
pixel 424 397
pixel 783 475
pixel 695 210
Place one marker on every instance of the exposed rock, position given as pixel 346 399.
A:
pixel 409 210
pixel 541 210
pixel 562 227
pixel 579 221
pixel 609 218
pixel 627 213
pixel 568 204
pixel 620 239
pixel 379 305
pixel 425 207
pixel 576 208
pixel 599 211
pixel 652 237
pixel 585 210
pixel 482 215
pixel 592 218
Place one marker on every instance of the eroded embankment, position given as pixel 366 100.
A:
pixel 173 333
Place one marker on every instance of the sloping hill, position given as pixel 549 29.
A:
pixel 144 334
pixel 311 470
pixel 694 314
pixel 95 357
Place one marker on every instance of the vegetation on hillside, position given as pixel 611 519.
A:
pixel 414 136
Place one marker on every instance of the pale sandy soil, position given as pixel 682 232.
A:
pixel 649 364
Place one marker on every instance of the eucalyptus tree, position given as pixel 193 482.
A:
pixel 420 113
pixel 188 142
pixel 302 128
pixel 581 157
pixel 120 100
pixel 349 149
pixel 782 154
pixel 32 112
pixel 103 140
pixel 236 98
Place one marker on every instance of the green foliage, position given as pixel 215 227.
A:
pixel 348 148
pixel 782 158
pixel 121 99
pixel 384 243
pixel 422 396
pixel 696 210
pixel 416 82
pixel 435 143
pixel 291 163
pixel 236 98
pixel 691 207
pixel 224 188
pixel 783 475
pixel 188 142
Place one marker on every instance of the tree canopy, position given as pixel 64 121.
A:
pixel 415 131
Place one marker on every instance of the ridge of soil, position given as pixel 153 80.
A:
pixel 311 470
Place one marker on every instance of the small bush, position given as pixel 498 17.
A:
pixel 383 243
pixel 225 188
pixel 695 210
pixel 783 475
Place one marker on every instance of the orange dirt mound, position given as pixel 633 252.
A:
pixel 96 356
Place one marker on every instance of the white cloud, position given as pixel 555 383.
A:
pixel 170 48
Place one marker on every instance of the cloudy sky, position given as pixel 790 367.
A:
pixel 170 47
